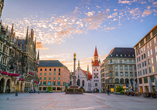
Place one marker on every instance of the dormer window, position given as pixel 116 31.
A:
pixel 129 55
pixel 116 55
pixel 121 55
pixel 125 55
pixel 133 55
pixel 111 55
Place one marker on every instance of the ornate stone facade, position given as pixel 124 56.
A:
pixel 18 62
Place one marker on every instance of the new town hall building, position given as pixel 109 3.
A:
pixel 18 60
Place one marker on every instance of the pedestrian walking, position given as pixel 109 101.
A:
pixel 108 92
pixel 9 90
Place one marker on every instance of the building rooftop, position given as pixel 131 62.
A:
pixel 50 63
pixel 122 52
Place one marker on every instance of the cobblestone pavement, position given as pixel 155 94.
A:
pixel 87 101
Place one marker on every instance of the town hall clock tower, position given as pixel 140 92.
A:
pixel 96 76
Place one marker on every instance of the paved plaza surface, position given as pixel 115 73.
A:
pixel 87 101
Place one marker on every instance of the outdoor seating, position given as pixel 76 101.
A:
pixel 150 94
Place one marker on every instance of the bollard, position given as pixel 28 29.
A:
pixel 38 92
pixel 16 93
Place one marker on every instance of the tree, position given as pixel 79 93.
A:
pixel 119 89
pixel 82 88
pixel 49 89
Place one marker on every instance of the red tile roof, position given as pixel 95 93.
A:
pixel 89 74
pixel 96 63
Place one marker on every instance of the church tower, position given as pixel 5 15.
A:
pixel 1 6
pixel 96 76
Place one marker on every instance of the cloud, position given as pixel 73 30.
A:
pixel 98 6
pixel 146 13
pixel 60 57
pixel 135 12
pixel 154 3
pixel 148 7
pixel 115 10
pixel 76 8
pixel 113 15
pixel 115 19
pixel 109 28
pixel 93 22
pixel 39 45
pixel 90 13
pixel 142 1
pixel 141 20
pixel 94 26
pixel 124 2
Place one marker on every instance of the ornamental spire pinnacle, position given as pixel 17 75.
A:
pixel 95 53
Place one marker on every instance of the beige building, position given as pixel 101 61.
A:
pixel 53 73
pixel 118 68
pixel 146 58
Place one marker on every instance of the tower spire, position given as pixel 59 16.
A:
pixel 27 36
pixel 32 34
pixel 95 53
pixel 87 71
pixel 78 64
pixel 38 55
pixel 95 62
pixel 12 29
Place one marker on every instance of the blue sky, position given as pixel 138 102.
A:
pixel 63 27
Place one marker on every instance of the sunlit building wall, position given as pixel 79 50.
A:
pixel 118 68
pixel 53 73
pixel 146 58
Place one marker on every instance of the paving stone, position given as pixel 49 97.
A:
pixel 87 101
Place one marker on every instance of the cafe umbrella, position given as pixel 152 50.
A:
pixel 155 84
pixel 129 85
pixel 134 85
pixel 150 84
pixel 137 86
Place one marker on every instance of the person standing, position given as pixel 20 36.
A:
pixel 108 92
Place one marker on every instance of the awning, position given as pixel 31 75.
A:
pixel 10 74
pixel 4 73
pixel 31 73
pixel 36 82
pixel 15 74
pixel 20 79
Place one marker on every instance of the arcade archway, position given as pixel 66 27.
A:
pixel 2 81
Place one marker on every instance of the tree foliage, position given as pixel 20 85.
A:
pixel 82 88
pixel 119 89
pixel 49 89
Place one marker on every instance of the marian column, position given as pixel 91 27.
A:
pixel 74 77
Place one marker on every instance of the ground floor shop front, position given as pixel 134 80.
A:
pixel 14 84
pixel 54 88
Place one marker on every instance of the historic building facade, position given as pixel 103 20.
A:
pixel 90 82
pixel 18 60
pixel 96 75
pixel 118 68
pixel 146 60
pixel 53 73
pixel 83 78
